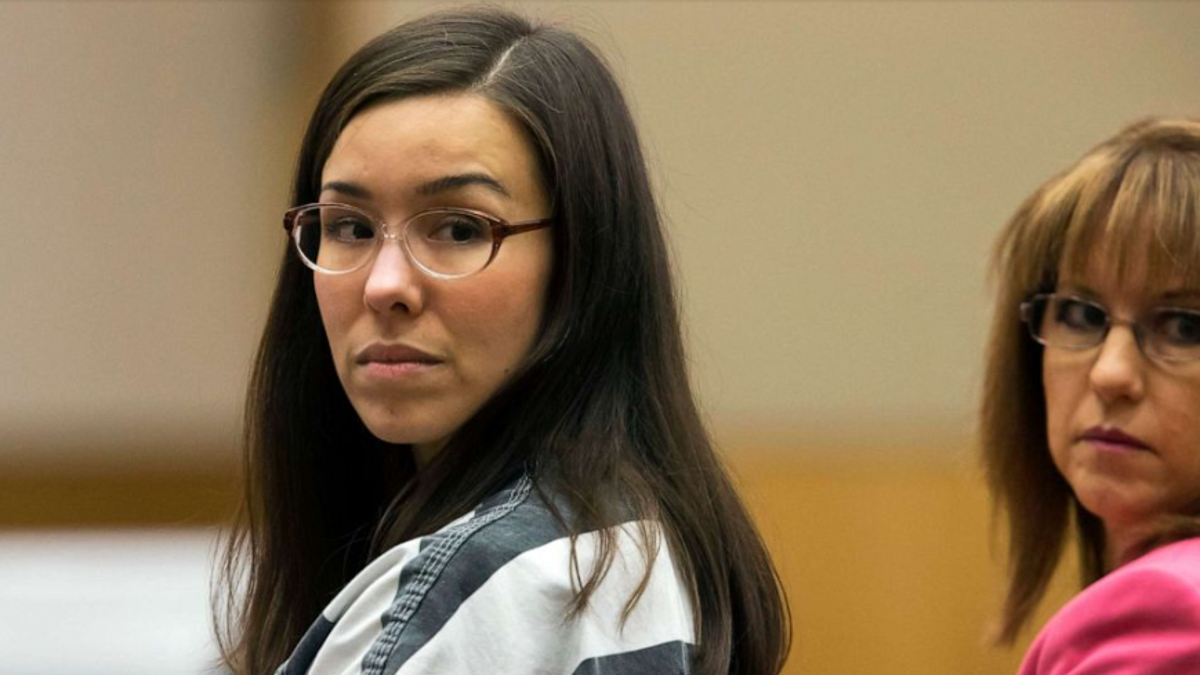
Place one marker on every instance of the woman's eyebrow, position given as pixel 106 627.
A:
pixel 1180 294
pixel 349 189
pixel 448 183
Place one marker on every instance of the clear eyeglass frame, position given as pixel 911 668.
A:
pixel 1152 343
pixel 499 228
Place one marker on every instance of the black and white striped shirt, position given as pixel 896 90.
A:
pixel 490 594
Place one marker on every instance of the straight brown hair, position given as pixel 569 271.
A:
pixel 601 406
pixel 1139 194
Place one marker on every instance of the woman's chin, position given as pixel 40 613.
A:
pixel 1119 510
pixel 424 440
pixel 398 425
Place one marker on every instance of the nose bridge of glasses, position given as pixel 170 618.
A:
pixel 1142 338
pixel 385 231
pixel 413 253
pixel 392 262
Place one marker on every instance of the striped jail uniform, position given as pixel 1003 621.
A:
pixel 489 594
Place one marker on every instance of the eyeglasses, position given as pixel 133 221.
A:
pixel 445 243
pixel 1165 333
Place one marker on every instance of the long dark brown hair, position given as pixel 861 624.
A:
pixel 602 400
pixel 1142 185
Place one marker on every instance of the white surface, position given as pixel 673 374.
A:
pixel 108 602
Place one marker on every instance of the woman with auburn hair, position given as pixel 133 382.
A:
pixel 471 444
pixel 1091 413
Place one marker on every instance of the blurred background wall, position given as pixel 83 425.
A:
pixel 832 174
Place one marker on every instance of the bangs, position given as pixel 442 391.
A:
pixel 1140 212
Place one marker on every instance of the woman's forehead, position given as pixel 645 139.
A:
pixel 421 146
pixel 1131 259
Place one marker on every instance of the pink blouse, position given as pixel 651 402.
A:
pixel 1141 619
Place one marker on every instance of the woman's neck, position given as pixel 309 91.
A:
pixel 423 453
pixel 1122 544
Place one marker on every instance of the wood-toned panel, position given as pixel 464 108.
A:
pixel 116 500
pixel 889 565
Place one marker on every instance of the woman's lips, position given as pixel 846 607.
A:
pixel 395 360
pixel 1111 439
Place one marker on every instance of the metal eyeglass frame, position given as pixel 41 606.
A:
pixel 1139 330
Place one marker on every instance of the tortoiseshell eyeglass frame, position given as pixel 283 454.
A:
pixel 501 229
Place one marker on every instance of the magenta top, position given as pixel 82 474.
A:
pixel 1141 619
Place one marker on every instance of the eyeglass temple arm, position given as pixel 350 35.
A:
pixel 289 217
pixel 509 229
pixel 1026 311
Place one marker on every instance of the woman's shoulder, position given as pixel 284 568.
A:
pixel 1143 618
pixel 496 587
pixel 516 579
pixel 523 551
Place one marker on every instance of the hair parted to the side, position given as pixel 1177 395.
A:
pixel 602 401
pixel 1138 195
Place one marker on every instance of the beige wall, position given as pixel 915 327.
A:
pixel 832 174
pixel 140 188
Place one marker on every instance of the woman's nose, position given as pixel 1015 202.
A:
pixel 1119 369
pixel 393 283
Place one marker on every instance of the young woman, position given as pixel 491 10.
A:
pixel 1091 416
pixel 471 442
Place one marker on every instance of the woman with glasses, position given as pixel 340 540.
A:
pixel 471 442
pixel 1091 414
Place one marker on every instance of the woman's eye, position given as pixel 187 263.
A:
pixel 349 230
pixel 1178 327
pixel 459 228
pixel 1080 316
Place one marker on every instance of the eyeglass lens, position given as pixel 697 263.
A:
pixel 338 239
pixel 1074 323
